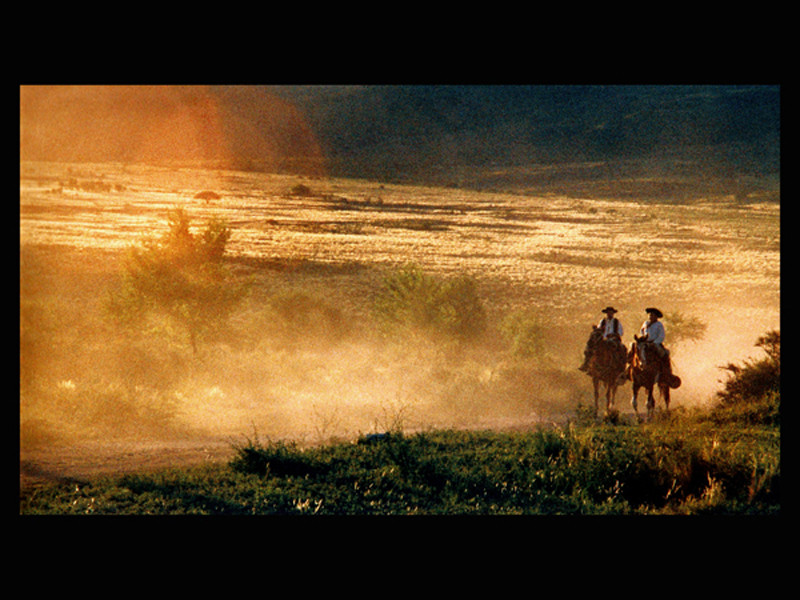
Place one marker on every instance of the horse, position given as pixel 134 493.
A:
pixel 655 371
pixel 606 367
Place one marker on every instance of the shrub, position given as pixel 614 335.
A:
pixel 412 298
pixel 524 335
pixel 298 315
pixel 181 276
pixel 278 459
pixel 684 327
pixel 301 190
pixel 752 392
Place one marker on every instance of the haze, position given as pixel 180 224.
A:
pixel 557 201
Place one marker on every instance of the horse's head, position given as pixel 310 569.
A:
pixel 595 336
pixel 639 342
pixel 633 354
pixel 640 346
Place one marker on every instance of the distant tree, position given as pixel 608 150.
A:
pixel 681 327
pixel 181 275
pixel 301 190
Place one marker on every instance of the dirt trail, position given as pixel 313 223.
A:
pixel 80 462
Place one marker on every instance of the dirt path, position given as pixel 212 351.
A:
pixel 80 462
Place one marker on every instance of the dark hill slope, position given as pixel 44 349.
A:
pixel 463 135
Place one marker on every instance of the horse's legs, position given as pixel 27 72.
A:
pixel 596 384
pixel 634 403
pixel 610 391
pixel 651 403
pixel 665 395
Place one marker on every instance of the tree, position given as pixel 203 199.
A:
pixel 682 327
pixel 181 275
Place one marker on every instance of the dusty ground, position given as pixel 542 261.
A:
pixel 80 462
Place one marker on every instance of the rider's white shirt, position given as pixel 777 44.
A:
pixel 654 331
pixel 607 327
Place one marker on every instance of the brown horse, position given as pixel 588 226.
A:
pixel 655 371
pixel 606 367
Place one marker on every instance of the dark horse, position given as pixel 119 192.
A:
pixel 656 370
pixel 606 367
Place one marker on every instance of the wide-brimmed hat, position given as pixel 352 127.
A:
pixel 609 309
pixel 655 311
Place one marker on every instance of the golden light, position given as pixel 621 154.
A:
pixel 199 125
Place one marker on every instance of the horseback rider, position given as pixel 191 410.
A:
pixel 653 333
pixel 609 329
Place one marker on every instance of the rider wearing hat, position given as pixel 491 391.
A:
pixel 608 329
pixel 654 333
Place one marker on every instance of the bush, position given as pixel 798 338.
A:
pixel 181 276
pixel 301 190
pixel 413 299
pixel 683 327
pixel 299 315
pixel 752 392
pixel 524 335
pixel 278 459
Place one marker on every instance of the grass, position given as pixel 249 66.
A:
pixel 686 465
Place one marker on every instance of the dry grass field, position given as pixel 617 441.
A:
pixel 307 362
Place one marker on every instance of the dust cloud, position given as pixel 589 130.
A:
pixel 730 338
pixel 320 372
pixel 323 372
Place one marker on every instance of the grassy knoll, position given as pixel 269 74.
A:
pixel 682 465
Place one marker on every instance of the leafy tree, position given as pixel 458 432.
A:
pixel 181 275
pixel 684 327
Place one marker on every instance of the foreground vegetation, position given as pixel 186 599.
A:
pixel 672 467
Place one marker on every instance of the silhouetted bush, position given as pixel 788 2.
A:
pixel 752 392
pixel 301 190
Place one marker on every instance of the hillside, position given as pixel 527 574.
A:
pixel 679 140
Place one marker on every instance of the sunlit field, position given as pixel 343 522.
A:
pixel 306 361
